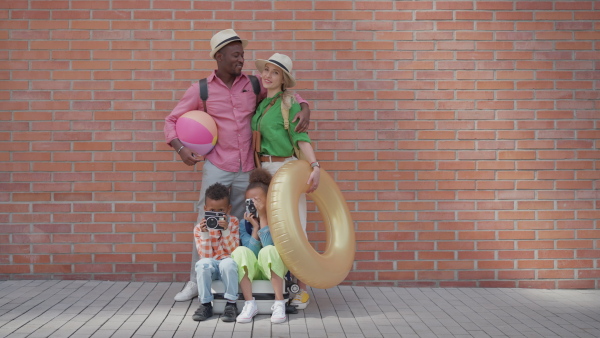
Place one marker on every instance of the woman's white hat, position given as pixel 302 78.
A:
pixel 222 38
pixel 282 61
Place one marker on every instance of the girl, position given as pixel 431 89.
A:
pixel 278 143
pixel 257 258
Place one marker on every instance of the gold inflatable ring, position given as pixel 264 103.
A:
pixel 317 270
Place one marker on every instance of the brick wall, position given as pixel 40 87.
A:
pixel 464 134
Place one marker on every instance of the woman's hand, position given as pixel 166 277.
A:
pixel 313 180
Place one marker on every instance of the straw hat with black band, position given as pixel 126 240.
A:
pixel 282 61
pixel 222 38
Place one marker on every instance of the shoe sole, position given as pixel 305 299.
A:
pixel 246 320
pixel 184 300
pixel 278 321
pixel 177 299
pixel 301 306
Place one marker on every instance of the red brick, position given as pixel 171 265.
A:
pixel 395 275
pixel 528 142
pixel 576 284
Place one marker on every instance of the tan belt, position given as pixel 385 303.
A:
pixel 269 158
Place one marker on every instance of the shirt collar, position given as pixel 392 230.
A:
pixel 213 76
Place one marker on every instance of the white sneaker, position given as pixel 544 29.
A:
pixel 278 315
pixel 190 291
pixel 248 312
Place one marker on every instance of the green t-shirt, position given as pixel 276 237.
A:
pixel 275 140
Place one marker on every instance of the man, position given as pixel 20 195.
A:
pixel 231 102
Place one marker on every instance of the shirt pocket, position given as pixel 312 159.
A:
pixel 245 101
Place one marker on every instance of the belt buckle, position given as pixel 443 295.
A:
pixel 269 156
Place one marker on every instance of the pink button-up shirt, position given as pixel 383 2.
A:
pixel 232 109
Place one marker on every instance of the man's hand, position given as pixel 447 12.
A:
pixel 304 117
pixel 188 157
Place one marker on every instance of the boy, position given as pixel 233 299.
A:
pixel 215 247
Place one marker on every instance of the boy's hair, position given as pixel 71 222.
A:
pixel 217 192
pixel 260 178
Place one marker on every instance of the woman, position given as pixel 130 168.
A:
pixel 257 258
pixel 278 144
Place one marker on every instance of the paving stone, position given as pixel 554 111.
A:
pixel 123 309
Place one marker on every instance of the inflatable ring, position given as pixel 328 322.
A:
pixel 317 270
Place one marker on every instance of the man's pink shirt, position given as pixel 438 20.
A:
pixel 232 109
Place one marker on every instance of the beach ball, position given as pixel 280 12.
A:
pixel 197 131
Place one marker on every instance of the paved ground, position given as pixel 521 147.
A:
pixel 121 309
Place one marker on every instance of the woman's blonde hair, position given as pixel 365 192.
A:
pixel 287 99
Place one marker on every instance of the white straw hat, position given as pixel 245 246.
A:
pixel 282 61
pixel 222 38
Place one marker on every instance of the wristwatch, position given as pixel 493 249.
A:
pixel 315 164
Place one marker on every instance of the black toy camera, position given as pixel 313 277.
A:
pixel 212 219
pixel 251 208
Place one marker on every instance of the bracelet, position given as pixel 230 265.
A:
pixel 178 150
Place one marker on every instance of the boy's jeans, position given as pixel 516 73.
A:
pixel 238 182
pixel 208 270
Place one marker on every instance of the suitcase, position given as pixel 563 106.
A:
pixel 262 290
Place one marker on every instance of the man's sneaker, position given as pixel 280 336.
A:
pixel 278 315
pixel 203 312
pixel 190 291
pixel 301 300
pixel 248 312
pixel 230 312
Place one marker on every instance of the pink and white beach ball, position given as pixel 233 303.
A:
pixel 197 131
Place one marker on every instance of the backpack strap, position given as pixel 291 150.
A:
pixel 255 87
pixel 203 92
pixel 255 84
